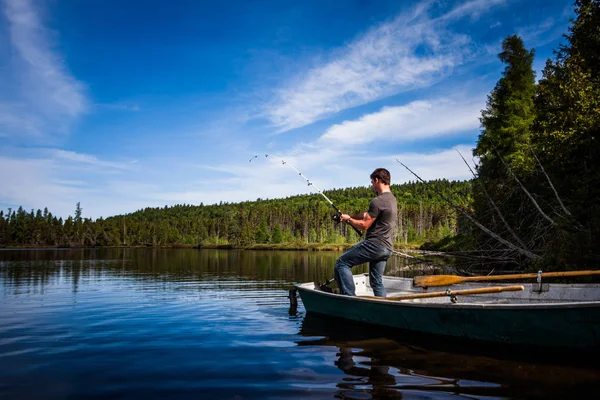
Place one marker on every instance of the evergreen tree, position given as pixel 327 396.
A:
pixel 277 236
pixel 567 136
pixel 262 233
pixel 78 212
pixel 78 222
pixel 503 150
pixel 509 113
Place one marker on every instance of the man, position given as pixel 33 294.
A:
pixel 380 224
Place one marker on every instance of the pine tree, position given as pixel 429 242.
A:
pixel 503 150
pixel 509 114
pixel 277 236
pixel 567 134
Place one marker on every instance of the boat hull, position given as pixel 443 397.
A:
pixel 566 325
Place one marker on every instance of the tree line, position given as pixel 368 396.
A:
pixel 297 220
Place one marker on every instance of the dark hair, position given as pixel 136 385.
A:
pixel 383 175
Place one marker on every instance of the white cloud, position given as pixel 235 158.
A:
pixel 411 51
pixel 31 183
pixel 119 106
pixel 39 97
pixel 71 156
pixel 443 164
pixel 58 179
pixel 539 34
pixel 40 181
pixel 472 9
pixel 17 118
pixel 327 169
pixel 417 120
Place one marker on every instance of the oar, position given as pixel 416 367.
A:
pixel 443 280
pixel 494 289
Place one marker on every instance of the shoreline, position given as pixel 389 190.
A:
pixel 266 246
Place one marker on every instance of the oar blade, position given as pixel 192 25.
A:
pixel 436 280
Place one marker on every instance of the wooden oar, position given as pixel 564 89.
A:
pixel 494 289
pixel 443 280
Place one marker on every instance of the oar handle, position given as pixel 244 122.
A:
pixel 450 293
pixel 443 280
pixel 533 275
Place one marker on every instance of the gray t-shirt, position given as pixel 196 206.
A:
pixel 385 211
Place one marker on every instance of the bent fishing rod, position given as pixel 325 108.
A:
pixel 336 217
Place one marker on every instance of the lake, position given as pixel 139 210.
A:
pixel 217 324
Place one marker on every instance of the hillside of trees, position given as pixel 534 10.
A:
pixel 296 221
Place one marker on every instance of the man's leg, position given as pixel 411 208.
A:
pixel 376 270
pixel 357 254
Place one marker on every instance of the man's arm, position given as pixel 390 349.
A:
pixel 361 221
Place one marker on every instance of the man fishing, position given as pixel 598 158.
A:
pixel 380 223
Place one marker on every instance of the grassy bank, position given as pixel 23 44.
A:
pixel 299 246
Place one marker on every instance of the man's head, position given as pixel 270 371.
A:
pixel 383 175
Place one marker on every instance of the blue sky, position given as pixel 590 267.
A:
pixel 122 105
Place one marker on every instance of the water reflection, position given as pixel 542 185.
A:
pixel 33 270
pixel 185 323
pixel 379 363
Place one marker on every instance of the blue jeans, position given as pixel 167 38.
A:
pixel 365 251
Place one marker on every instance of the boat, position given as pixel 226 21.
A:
pixel 539 315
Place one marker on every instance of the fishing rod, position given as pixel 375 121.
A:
pixel 337 216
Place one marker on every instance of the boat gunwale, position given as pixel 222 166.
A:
pixel 473 305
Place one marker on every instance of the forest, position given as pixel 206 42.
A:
pixel 533 199
pixel 294 222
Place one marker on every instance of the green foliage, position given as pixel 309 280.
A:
pixel 297 220
pixel 503 144
pixel 509 113
pixel 557 215
pixel 262 234
pixel 566 136
pixel 277 236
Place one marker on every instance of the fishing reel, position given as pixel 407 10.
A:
pixel 338 218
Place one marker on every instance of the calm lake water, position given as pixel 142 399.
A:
pixel 217 324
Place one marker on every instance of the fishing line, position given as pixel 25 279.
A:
pixel 336 217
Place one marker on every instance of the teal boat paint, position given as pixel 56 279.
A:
pixel 550 315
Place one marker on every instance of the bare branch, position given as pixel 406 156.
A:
pixel 505 242
pixel 549 181
pixel 524 189
pixel 419 260
pixel 514 235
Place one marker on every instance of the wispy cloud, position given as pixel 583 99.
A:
pixel 548 30
pixel 417 120
pixel 413 50
pixel 58 179
pixel 41 98
pixel 443 164
pixel 472 9
pixel 119 106
pixel 329 169
pixel 35 183
pixel 79 158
